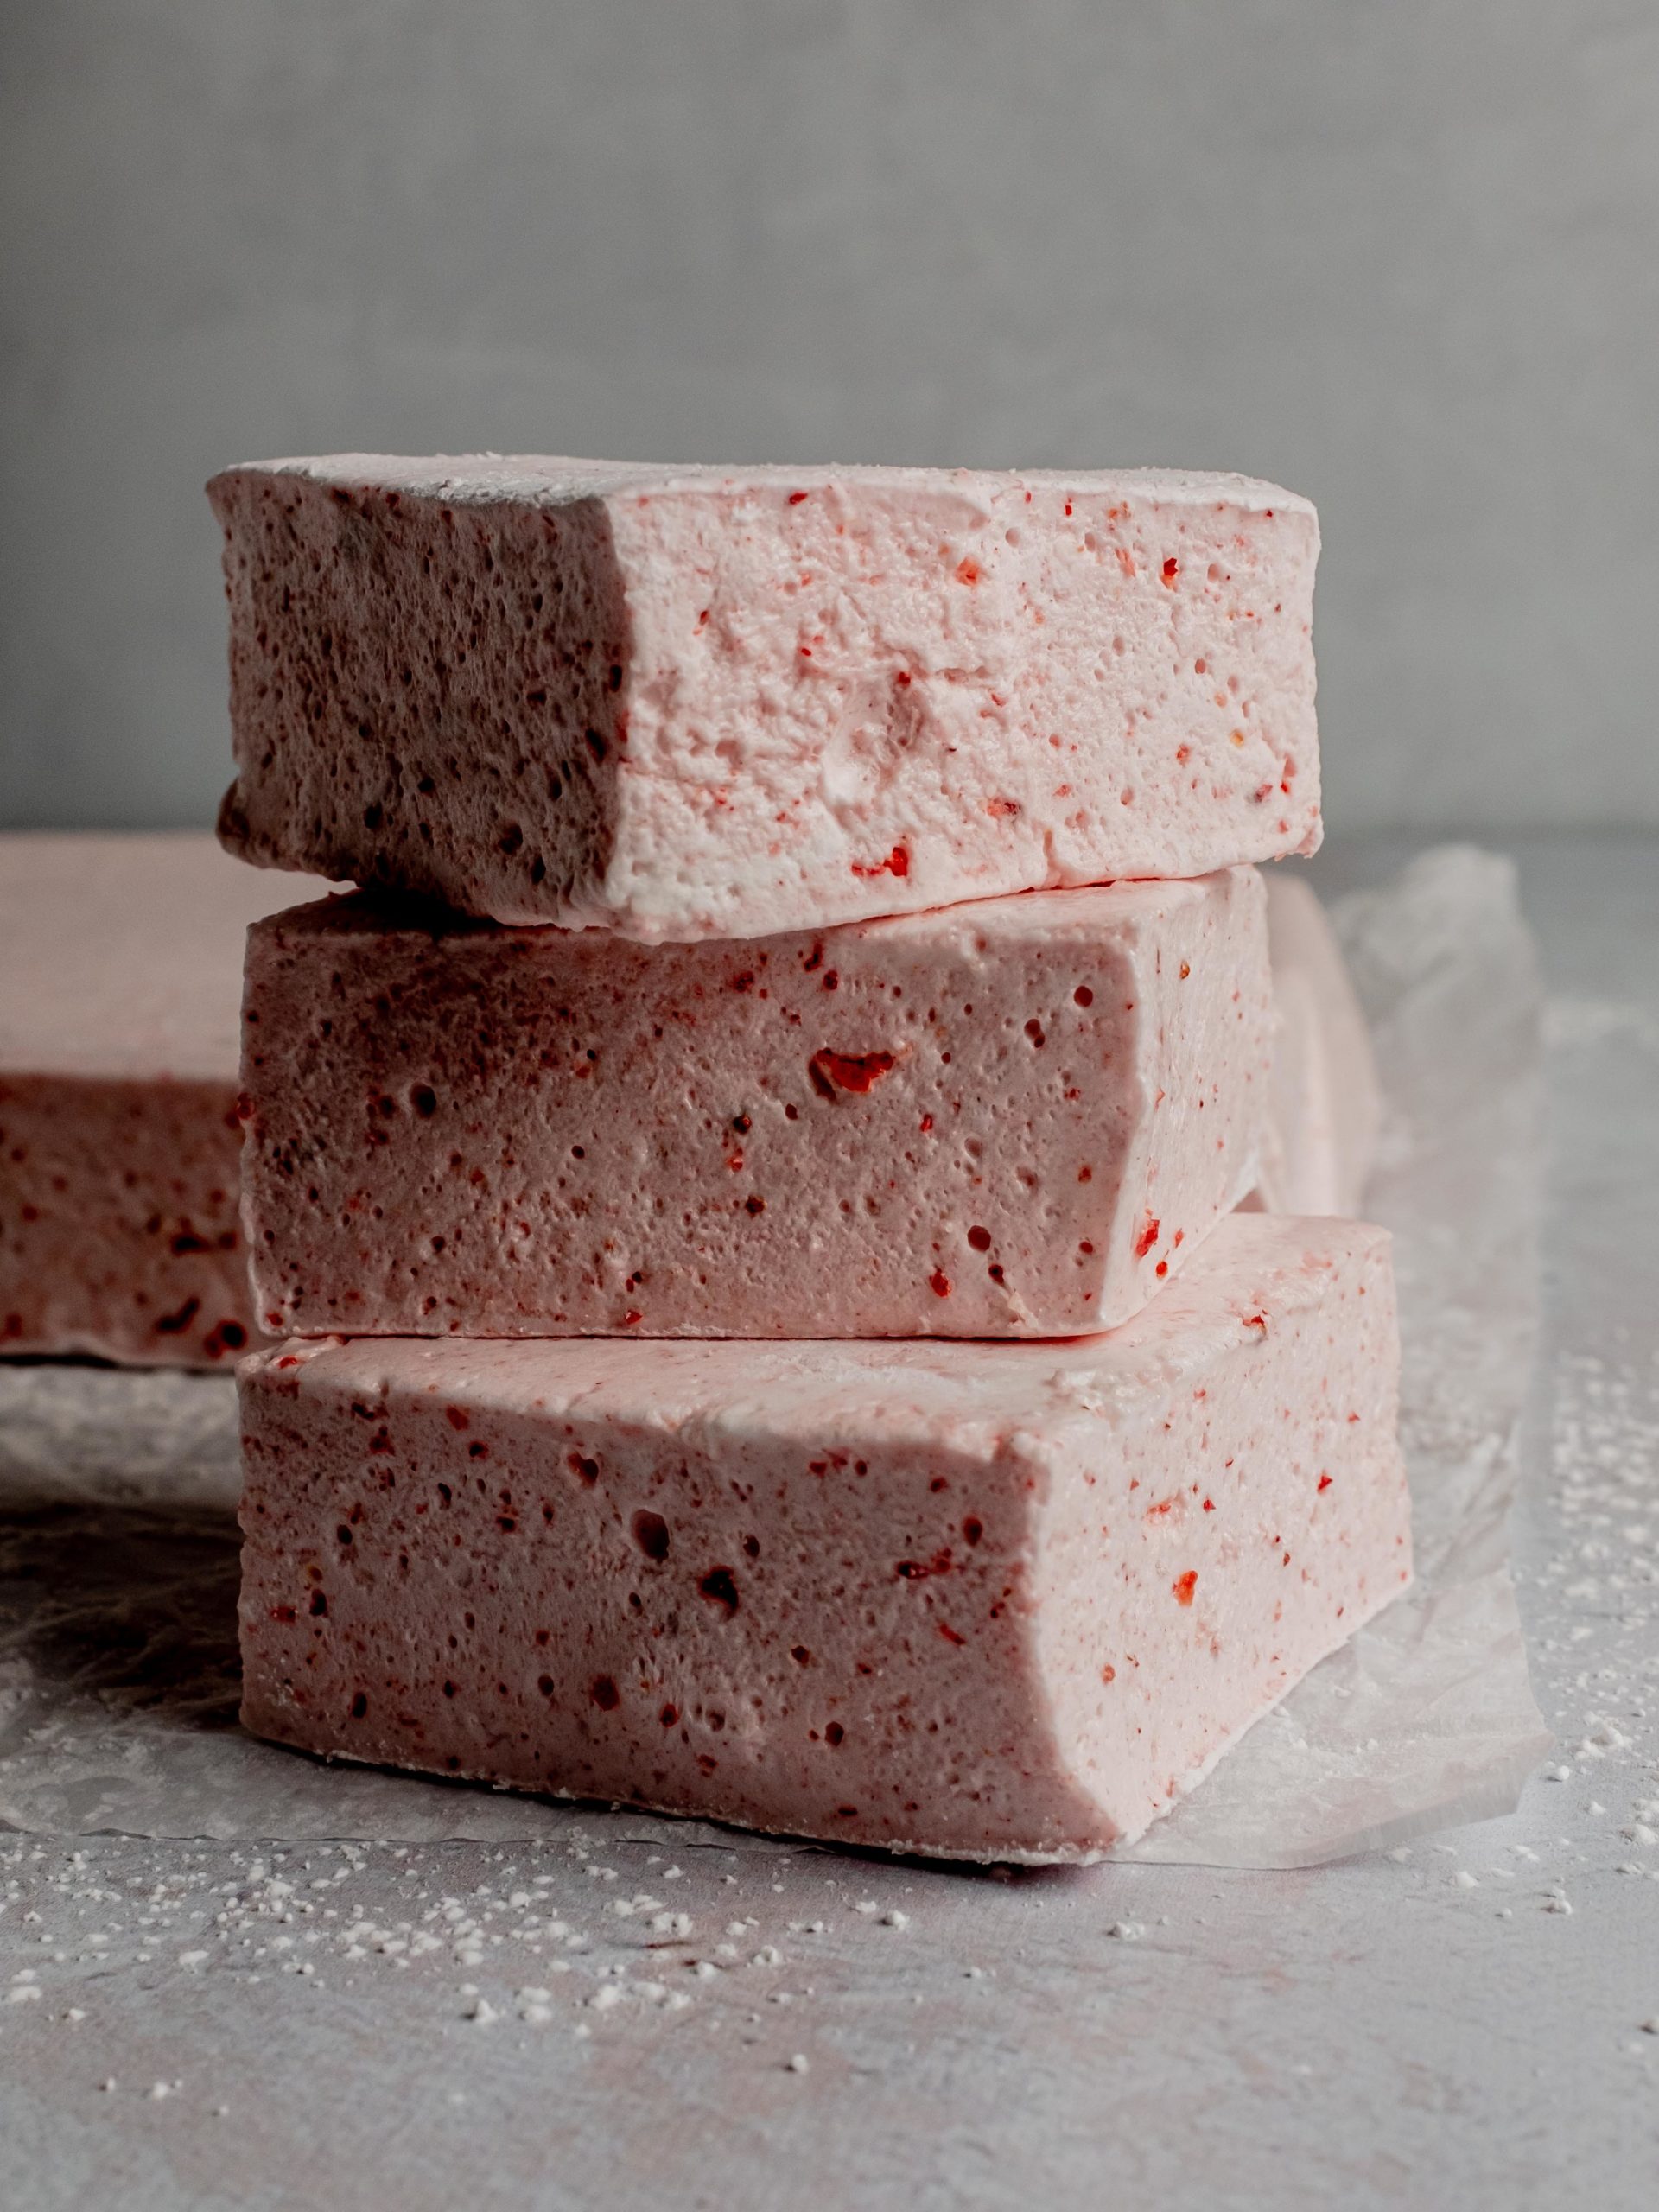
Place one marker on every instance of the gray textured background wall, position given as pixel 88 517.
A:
pixel 1401 254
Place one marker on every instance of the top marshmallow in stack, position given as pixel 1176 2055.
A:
pixel 680 703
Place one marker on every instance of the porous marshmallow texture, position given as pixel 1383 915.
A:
pixel 997 1601
pixel 1014 1117
pixel 680 703
pixel 119 1142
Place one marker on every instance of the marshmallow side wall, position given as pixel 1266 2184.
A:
pixel 119 1234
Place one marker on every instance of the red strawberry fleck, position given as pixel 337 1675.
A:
pixel 855 1071
pixel 896 863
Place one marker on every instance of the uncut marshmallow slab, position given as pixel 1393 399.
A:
pixel 686 703
pixel 119 1143
pixel 1014 1117
pixel 1324 1101
pixel 1002 1601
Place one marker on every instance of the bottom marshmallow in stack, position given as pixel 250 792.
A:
pixel 998 1601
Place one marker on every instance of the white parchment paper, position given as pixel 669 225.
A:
pixel 118 1548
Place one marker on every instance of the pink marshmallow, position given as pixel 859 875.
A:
pixel 989 1601
pixel 681 703
pixel 1009 1118
pixel 119 1142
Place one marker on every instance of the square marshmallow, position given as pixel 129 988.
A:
pixel 1014 1117
pixel 993 1601
pixel 680 703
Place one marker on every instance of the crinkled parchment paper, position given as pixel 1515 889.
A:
pixel 119 1543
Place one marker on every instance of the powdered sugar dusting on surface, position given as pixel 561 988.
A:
pixel 1599 1574
pixel 540 1938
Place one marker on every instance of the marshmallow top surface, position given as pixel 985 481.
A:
pixel 978 1399
pixel 551 479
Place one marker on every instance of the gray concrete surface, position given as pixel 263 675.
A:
pixel 1471 2022
pixel 1398 257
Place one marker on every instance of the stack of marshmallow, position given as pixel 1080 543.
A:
pixel 750 1190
